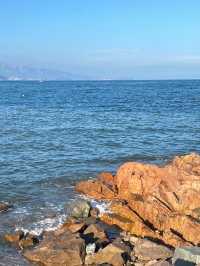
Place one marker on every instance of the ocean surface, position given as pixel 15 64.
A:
pixel 53 134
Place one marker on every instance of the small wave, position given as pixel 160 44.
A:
pixel 47 224
pixel 102 205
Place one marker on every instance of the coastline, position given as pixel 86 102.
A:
pixel 150 205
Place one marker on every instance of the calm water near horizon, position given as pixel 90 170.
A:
pixel 55 133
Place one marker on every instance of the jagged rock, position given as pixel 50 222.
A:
pixel 80 209
pixel 14 238
pixel 73 225
pixel 187 254
pixel 147 250
pixel 4 206
pixel 62 250
pixel 97 189
pixel 96 231
pixel 158 202
pixel 28 241
pixel 111 254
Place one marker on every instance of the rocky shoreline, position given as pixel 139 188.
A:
pixel 153 219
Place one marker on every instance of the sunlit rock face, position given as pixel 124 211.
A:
pixel 148 200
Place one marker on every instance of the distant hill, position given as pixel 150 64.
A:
pixel 2 77
pixel 33 73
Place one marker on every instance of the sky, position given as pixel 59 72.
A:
pixel 103 39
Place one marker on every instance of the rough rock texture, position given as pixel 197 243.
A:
pixel 110 254
pixel 4 206
pixel 80 209
pixel 147 250
pixel 152 201
pixel 64 249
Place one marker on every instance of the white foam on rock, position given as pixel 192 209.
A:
pixel 47 224
pixel 102 205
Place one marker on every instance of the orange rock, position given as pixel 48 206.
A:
pixel 95 189
pixel 106 178
pixel 161 202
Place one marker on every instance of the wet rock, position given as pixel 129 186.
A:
pixel 62 250
pixel 14 238
pixel 147 250
pixel 187 254
pixel 80 209
pixel 158 202
pixel 4 206
pixel 28 241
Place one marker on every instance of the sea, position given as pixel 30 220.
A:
pixel 55 133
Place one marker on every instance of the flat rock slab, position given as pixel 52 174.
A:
pixel 187 254
pixel 147 250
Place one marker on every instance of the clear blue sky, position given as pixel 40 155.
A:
pixel 103 38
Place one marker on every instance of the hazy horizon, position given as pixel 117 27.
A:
pixel 136 40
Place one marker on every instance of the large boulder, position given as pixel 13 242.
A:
pixel 59 250
pixel 159 202
pixel 80 209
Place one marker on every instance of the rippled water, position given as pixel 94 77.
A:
pixel 55 133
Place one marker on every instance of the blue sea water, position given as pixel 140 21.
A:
pixel 55 133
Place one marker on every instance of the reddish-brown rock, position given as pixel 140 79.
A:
pixel 161 202
pixel 60 250
pixel 4 206
pixel 111 254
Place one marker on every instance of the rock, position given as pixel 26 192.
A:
pixel 96 231
pixel 73 226
pixel 4 206
pixel 187 254
pixel 95 189
pixel 14 238
pixel 152 201
pixel 107 178
pixel 28 241
pixel 147 250
pixel 90 248
pixel 161 263
pixel 110 254
pixel 80 209
pixel 126 247
pixel 89 220
pixel 94 212
pixel 62 250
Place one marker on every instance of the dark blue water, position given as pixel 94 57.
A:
pixel 55 133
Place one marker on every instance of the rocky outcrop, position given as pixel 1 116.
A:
pixel 153 201
pixel 4 206
pixel 86 241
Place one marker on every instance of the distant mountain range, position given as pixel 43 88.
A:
pixel 33 73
